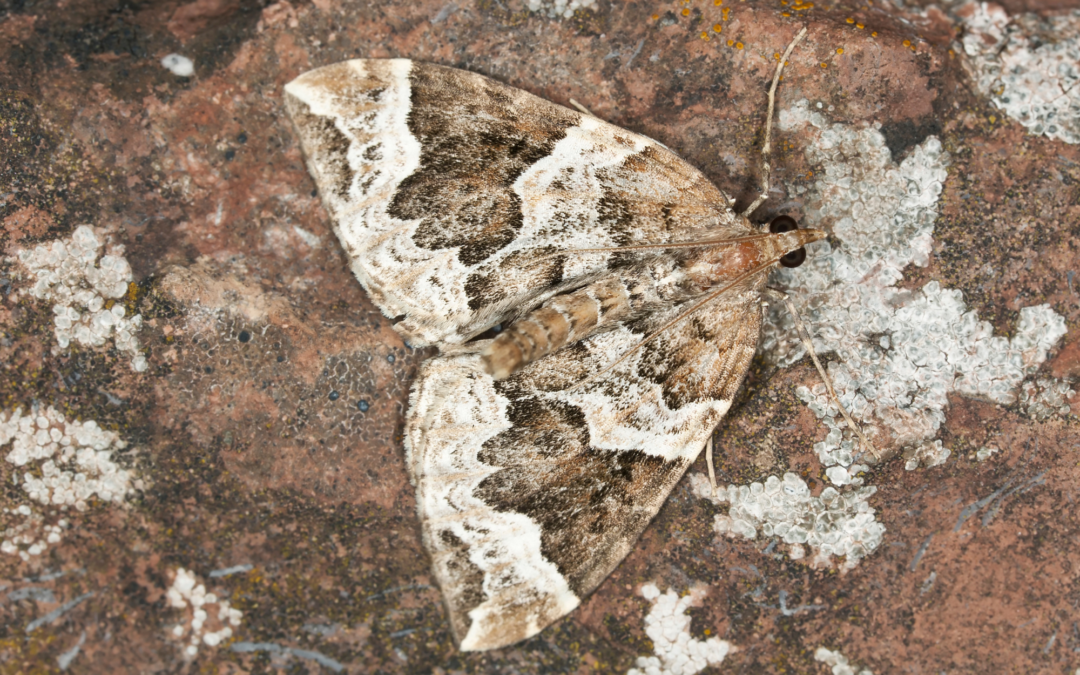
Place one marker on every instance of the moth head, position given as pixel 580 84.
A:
pixel 782 224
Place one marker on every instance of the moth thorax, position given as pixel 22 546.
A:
pixel 717 265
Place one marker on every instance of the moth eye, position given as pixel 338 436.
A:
pixel 787 224
pixel 783 224
pixel 794 258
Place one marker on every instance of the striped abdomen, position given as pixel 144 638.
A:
pixel 559 321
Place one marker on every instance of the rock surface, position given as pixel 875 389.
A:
pixel 263 517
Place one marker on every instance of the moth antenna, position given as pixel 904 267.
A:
pixel 804 335
pixel 647 247
pixel 581 108
pixel 659 331
pixel 765 168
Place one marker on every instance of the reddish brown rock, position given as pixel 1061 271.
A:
pixel 268 426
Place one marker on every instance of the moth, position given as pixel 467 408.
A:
pixel 630 293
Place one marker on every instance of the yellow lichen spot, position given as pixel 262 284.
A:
pixel 776 56
pixel 850 20
pixel 718 2
pixel 952 53
pixel 809 174
pixel 686 11
pixel 704 35
pixel 738 45
pixel 730 43
pixel 785 14
pixel 860 26
pixel 874 34
pixel 907 43
pixel 839 50
pixel 993 119
pixel 824 65
pixel 717 27
pixel 655 17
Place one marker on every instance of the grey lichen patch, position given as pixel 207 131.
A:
pixel 1027 66
pixel 83 287
pixel 901 352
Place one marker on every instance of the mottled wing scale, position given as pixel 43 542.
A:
pixel 447 189
pixel 531 492
pixel 452 195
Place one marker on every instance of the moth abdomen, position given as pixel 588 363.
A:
pixel 562 320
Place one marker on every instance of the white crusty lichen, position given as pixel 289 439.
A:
pixel 1027 65
pixel 676 651
pixel 84 290
pixel 59 464
pixel 835 523
pixel 901 352
pixel 838 662
pixel 202 609
pixel 563 9
pixel 1046 397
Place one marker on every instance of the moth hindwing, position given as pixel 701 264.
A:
pixel 462 203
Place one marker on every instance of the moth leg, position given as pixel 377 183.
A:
pixel 581 108
pixel 804 335
pixel 765 168
pixel 709 463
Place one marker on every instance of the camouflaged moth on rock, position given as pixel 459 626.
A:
pixel 630 289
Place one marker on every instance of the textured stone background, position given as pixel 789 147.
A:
pixel 256 453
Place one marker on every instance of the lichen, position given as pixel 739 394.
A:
pixel 901 352
pixel 835 523
pixel 188 595
pixel 1028 66
pixel 84 287
pixel 668 626
pixel 65 464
